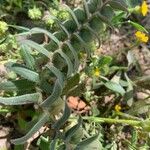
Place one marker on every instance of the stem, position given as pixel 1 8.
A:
pixel 112 121
pixel 128 116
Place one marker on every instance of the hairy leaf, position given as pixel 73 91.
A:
pixel 68 61
pixel 23 72
pixel 28 58
pixel 37 47
pixel 54 96
pixel 95 34
pixel 50 35
pixel 86 8
pixel 76 63
pixel 60 24
pixel 73 15
pixel 115 87
pixel 57 73
pixel 105 20
pixel 17 85
pixel 21 100
pixel 118 4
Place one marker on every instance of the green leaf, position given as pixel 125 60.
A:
pixel 17 85
pixel 118 4
pixel 91 143
pixel 105 60
pixel 28 58
pixel 115 87
pixel 94 5
pixel 60 25
pixel 118 18
pixel 76 63
pixel 57 73
pixel 68 61
pixel 105 20
pixel 73 130
pixel 50 35
pixel 37 47
pixel 72 15
pixel 20 27
pixel 116 78
pixel 108 12
pixel 21 100
pixel 133 3
pixel 54 96
pixel 84 44
pixel 95 34
pixel 85 4
pixel 71 83
pixel 134 138
pixel 137 26
pixel 42 120
pixel 23 72
pixel 64 118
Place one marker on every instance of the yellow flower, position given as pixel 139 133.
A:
pixel 141 36
pixel 97 72
pixel 144 8
pixel 117 108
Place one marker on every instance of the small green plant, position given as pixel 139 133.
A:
pixel 58 58
pixel 50 72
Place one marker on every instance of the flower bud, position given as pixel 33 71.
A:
pixel 34 13
pixel 3 27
